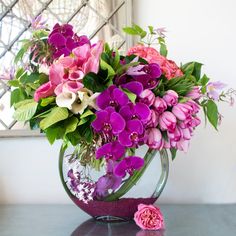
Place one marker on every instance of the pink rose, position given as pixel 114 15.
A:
pixel 44 91
pixel 151 55
pixel 149 217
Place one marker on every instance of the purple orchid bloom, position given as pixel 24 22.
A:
pixel 134 87
pixel 128 165
pixel 108 121
pixel 63 40
pixel 146 74
pixel 214 89
pixel 132 134
pixel 113 97
pixel 113 151
pixel 138 111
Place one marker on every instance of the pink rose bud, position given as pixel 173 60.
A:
pixel 167 121
pixel 171 98
pixel 160 105
pixel 195 93
pixel 147 97
pixel 153 121
pixel 182 111
pixel 149 217
pixel 154 138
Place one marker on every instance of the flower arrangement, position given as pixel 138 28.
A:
pixel 107 105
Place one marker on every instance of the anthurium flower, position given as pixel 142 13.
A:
pixel 128 165
pixel 108 121
pixel 113 150
pixel 138 111
pixel 132 133
pixel 112 96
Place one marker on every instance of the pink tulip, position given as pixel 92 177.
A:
pixel 154 138
pixel 195 93
pixel 44 91
pixel 147 97
pixel 153 121
pixel 195 107
pixel 167 121
pixel 183 145
pixel 160 105
pixel 182 111
pixel 191 122
pixel 176 135
pixel 171 98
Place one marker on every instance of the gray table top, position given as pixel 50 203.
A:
pixel 64 220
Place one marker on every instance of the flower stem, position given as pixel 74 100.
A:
pixel 132 180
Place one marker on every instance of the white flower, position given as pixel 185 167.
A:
pixel 66 99
pixel 44 68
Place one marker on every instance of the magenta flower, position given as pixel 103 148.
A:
pixel 113 97
pixel 63 40
pixel 147 97
pixel 132 134
pixel 146 74
pixel 134 87
pixel 171 98
pixel 167 121
pixel 128 165
pixel 113 150
pixel 106 183
pixel 44 91
pixel 108 121
pixel 160 105
pixel 214 89
pixel 138 111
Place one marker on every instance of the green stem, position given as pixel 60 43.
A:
pixel 133 179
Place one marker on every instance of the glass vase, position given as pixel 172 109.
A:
pixel 144 186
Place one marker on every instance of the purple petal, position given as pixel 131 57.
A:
pixel 126 112
pixel 103 150
pixel 120 97
pixel 124 139
pixel 117 123
pixel 134 87
pixel 103 99
pixel 120 169
pixel 57 40
pixel 136 162
pixel 143 111
pixel 70 44
pixel 134 126
pixel 101 117
pixel 118 150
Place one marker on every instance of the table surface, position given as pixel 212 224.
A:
pixel 64 220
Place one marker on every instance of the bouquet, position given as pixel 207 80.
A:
pixel 107 105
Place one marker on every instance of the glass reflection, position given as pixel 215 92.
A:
pixel 92 227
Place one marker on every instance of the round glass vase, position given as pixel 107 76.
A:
pixel 121 204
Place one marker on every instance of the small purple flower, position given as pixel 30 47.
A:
pixel 113 97
pixel 138 111
pixel 108 121
pixel 214 89
pixel 146 74
pixel 113 151
pixel 7 74
pixel 128 165
pixel 132 134
pixel 38 23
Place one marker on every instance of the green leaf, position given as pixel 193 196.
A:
pixel 132 97
pixel 135 30
pixel 151 29
pixel 105 66
pixel 22 51
pixel 163 50
pixel 92 82
pixel 17 95
pixel 57 114
pixel 188 68
pixel 173 152
pixel 192 68
pixel 71 124
pixel 130 30
pixel 87 113
pixel 46 101
pixel 33 77
pixel 204 80
pixel 52 133
pixel 13 83
pixel 212 113
pixel 25 110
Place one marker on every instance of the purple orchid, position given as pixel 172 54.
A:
pixel 146 74
pixel 138 111
pixel 63 40
pixel 214 89
pixel 128 165
pixel 113 97
pixel 132 134
pixel 113 151
pixel 108 121
pixel 134 87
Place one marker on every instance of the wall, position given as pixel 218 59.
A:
pixel 202 30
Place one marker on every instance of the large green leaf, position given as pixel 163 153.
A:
pixel 212 113
pixel 93 82
pixel 57 114
pixel 71 124
pixel 17 95
pixel 25 110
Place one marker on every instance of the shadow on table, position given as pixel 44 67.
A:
pixel 92 227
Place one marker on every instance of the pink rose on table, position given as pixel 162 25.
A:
pixel 149 217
